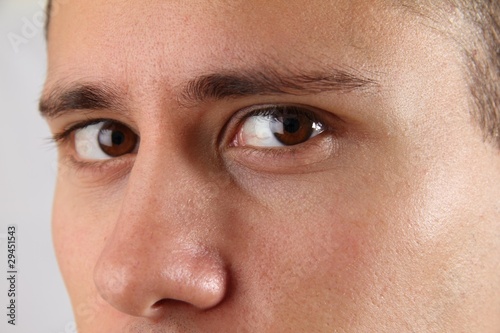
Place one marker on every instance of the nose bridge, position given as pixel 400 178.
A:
pixel 161 248
pixel 170 187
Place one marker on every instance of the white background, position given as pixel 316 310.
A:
pixel 27 176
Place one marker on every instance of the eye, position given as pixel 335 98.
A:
pixel 278 126
pixel 104 140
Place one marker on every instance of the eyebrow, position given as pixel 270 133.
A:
pixel 209 87
pixel 84 96
pixel 271 82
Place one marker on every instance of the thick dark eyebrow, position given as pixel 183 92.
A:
pixel 269 82
pixel 85 96
pixel 215 86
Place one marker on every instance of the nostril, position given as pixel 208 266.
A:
pixel 165 303
pixel 158 309
pixel 161 303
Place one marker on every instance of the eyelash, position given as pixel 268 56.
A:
pixel 228 131
pixel 262 111
pixel 64 136
pixel 268 111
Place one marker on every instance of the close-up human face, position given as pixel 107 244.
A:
pixel 269 166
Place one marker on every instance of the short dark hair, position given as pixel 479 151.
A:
pixel 484 63
pixel 48 11
pixel 475 27
pixel 482 57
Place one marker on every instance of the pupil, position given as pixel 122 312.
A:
pixel 292 129
pixel 117 138
pixel 291 125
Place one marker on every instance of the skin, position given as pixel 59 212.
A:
pixel 389 221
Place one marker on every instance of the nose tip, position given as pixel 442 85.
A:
pixel 148 288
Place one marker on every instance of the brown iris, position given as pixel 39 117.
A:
pixel 292 129
pixel 116 139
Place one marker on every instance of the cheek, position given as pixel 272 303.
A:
pixel 80 226
pixel 348 247
pixel 307 245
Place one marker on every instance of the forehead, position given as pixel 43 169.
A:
pixel 180 36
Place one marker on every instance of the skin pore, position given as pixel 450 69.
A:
pixel 387 220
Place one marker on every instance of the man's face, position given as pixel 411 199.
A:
pixel 257 166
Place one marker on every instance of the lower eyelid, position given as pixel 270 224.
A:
pixel 97 173
pixel 291 159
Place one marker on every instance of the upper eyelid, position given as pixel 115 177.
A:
pixel 267 109
pixel 244 113
pixel 236 118
pixel 64 134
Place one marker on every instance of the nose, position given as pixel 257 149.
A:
pixel 131 283
pixel 160 254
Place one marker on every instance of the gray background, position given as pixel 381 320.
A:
pixel 27 176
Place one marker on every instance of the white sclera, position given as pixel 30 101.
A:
pixel 87 142
pixel 258 131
